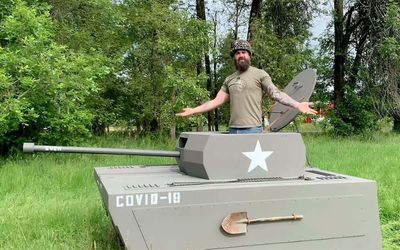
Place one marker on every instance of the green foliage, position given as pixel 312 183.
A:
pixel 226 67
pixel 43 85
pixel 96 28
pixel 280 38
pixel 281 58
pixel 370 67
pixel 159 77
pixel 382 74
pixel 323 90
pixel 96 25
pixel 353 116
pixel 385 125
pixel 184 90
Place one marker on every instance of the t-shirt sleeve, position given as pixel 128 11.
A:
pixel 273 92
pixel 224 86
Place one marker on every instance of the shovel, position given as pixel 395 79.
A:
pixel 236 223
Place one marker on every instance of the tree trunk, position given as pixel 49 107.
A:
pixel 172 129
pixel 201 15
pixel 396 125
pixel 211 90
pixel 365 30
pixel 340 54
pixel 215 73
pixel 359 52
pixel 254 15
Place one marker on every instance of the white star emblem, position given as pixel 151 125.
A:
pixel 258 158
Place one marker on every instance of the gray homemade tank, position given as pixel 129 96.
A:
pixel 237 192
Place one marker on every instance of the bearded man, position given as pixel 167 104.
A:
pixel 244 89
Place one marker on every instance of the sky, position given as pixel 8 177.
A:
pixel 319 26
pixel 319 23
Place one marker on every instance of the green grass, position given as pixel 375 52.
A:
pixel 377 159
pixel 51 201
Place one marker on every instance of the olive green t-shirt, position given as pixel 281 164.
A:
pixel 246 90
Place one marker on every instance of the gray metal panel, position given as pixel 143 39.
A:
pixel 328 244
pixel 192 162
pixel 223 156
pixel 198 227
pixel 127 228
pixel 335 210
pixel 300 89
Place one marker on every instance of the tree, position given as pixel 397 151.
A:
pixel 341 46
pixel 354 43
pixel 280 38
pixel 382 62
pixel 210 85
pixel 43 85
pixel 90 24
pixel 159 73
pixel 94 27
pixel 255 13
pixel 352 29
pixel 237 13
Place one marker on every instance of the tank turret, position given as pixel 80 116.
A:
pixel 217 156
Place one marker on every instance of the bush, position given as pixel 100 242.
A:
pixel 385 125
pixel 43 85
pixel 353 116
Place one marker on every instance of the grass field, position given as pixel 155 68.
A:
pixel 51 201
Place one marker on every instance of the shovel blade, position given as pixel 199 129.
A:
pixel 235 223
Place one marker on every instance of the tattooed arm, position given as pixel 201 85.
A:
pixel 282 97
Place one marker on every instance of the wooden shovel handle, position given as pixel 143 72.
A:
pixel 274 219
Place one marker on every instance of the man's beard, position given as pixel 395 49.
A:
pixel 242 65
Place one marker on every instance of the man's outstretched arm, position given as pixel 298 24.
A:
pixel 221 98
pixel 285 99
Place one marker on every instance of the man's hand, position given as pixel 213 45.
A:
pixel 305 107
pixel 220 99
pixel 185 112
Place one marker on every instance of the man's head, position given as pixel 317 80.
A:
pixel 240 45
pixel 241 52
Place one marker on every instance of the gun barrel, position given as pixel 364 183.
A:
pixel 32 148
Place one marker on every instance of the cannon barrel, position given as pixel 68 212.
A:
pixel 32 148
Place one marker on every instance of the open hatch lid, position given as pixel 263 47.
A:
pixel 300 89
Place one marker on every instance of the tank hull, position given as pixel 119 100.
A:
pixel 159 207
